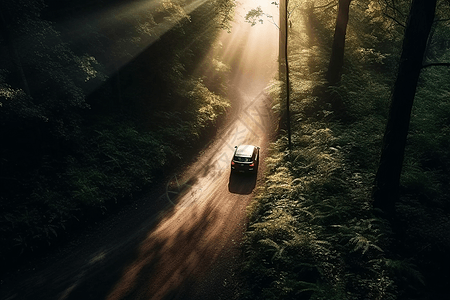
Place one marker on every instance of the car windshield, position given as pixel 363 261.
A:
pixel 242 159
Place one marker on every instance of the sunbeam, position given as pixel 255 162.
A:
pixel 249 50
pixel 153 19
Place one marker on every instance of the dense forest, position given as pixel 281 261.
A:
pixel 100 98
pixel 355 203
pixel 97 100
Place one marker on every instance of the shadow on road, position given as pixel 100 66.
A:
pixel 242 183
pixel 172 254
pixel 169 259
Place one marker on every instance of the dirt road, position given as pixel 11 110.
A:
pixel 190 249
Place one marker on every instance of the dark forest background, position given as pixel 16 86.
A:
pixel 98 100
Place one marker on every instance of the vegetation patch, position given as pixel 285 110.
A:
pixel 313 233
pixel 89 123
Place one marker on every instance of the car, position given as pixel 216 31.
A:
pixel 245 159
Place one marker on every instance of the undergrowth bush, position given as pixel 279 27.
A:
pixel 114 151
pixel 113 160
pixel 312 231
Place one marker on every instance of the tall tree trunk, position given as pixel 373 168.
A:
pixel 337 50
pixel 282 37
pixel 15 58
pixel 284 64
pixel 414 44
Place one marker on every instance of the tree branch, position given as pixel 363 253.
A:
pixel 435 64
pixel 328 5
pixel 391 7
pixel 395 20
pixel 394 8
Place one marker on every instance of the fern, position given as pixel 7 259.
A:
pixel 303 286
pixel 405 268
pixel 363 244
pixel 272 247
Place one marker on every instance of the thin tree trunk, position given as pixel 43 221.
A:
pixel 282 35
pixel 337 50
pixel 283 57
pixel 414 45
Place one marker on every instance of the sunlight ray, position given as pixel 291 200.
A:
pixel 114 22
pixel 247 50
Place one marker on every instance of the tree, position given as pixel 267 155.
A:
pixel 253 17
pixel 15 58
pixel 387 181
pixel 284 58
pixel 41 94
pixel 337 50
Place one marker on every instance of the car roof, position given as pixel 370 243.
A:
pixel 245 150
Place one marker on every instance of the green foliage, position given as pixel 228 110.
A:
pixel 317 196
pixel 208 105
pixel 254 16
pixel 406 270
pixel 65 165
pixel 124 160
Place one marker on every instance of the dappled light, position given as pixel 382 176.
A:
pixel 116 21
